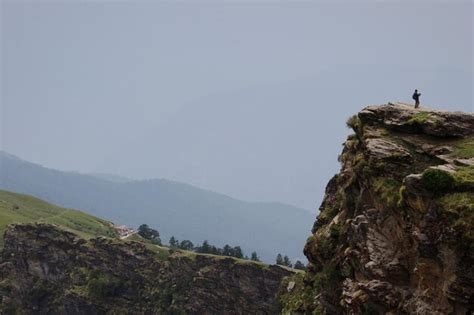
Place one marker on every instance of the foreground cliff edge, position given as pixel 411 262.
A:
pixel 395 230
pixel 47 270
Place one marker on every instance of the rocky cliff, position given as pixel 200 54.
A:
pixel 47 270
pixel 395 230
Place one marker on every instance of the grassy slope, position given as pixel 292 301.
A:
pixel 18 208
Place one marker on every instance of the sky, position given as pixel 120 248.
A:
pixel 246 98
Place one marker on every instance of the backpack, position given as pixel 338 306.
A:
pixel 414 96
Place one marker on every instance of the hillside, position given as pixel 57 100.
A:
pixel 46 270
pixel 18 208
pixel 173 208
pixel 395 230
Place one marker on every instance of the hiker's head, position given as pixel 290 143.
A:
pixel 416 90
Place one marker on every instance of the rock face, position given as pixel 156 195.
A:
pixel 46 270
pixel 395 233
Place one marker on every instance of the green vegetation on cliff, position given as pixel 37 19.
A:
pixel 464 148
pixel 19 208
pixel 395 229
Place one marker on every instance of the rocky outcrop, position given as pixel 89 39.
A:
pixel 46 270
pixel 395 229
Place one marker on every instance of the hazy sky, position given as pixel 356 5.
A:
pixel 246 98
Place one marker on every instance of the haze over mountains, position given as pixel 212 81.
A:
pixel 283 138
pixel 193 94
pixel 174 208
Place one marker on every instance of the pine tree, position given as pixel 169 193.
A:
pixel 299 265
pixel 287 261
pixel 279 260
pixel 254 256
pixel 205 248
pixel 238 253
pixel 173 242
pixel 186 245
pixel 227 250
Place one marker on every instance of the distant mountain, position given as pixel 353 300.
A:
pixel 174 208
pixel 111 177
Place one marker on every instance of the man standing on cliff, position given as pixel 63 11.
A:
pixel 416 97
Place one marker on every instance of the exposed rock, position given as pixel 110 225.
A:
pixel 406 118
pixel 395 229
pixel 45 270
pixel 382 149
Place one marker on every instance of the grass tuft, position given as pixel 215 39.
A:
pixel 464 149
pixel 421 118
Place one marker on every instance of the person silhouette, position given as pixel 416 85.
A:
pixel 416 97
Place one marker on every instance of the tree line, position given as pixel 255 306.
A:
pixel 206 248
pixel 232 251
pixel 285 261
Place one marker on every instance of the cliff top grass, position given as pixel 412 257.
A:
pixel 422 117
pixel 464 148
pixel 464 176
pixel 19 208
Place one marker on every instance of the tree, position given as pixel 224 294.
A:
pixel 227 250
pixel 205 248
pixel 299 265
pixel 186 245
pixel 238 253
pixel 279 260
pixel 149 234
pixel 254 256
pixel 215 250
pixel 287 261
pixel 173 242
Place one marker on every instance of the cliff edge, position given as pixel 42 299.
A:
pixel 47 270
pixel 395 233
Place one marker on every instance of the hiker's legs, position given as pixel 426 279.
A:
pixel 417 103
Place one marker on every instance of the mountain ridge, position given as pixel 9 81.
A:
pixel 175 209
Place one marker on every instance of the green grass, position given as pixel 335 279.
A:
pixel 388 190
pixel 464 149
pixel 464 176
pixel 421 118
pixel 353 122
pixel 437 180
pixel 460 207
pixel 18 208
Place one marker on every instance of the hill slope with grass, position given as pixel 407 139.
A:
pixel 19 208
pixel 395 229
pixel 173 208
pixel 57 260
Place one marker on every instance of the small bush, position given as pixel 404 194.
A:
pixel 460 208
pixel 437 180
pixel 327 214
pixel 330 278
pixel 102 285
pixel 388 190
pixel 335 231
pixel 354 123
